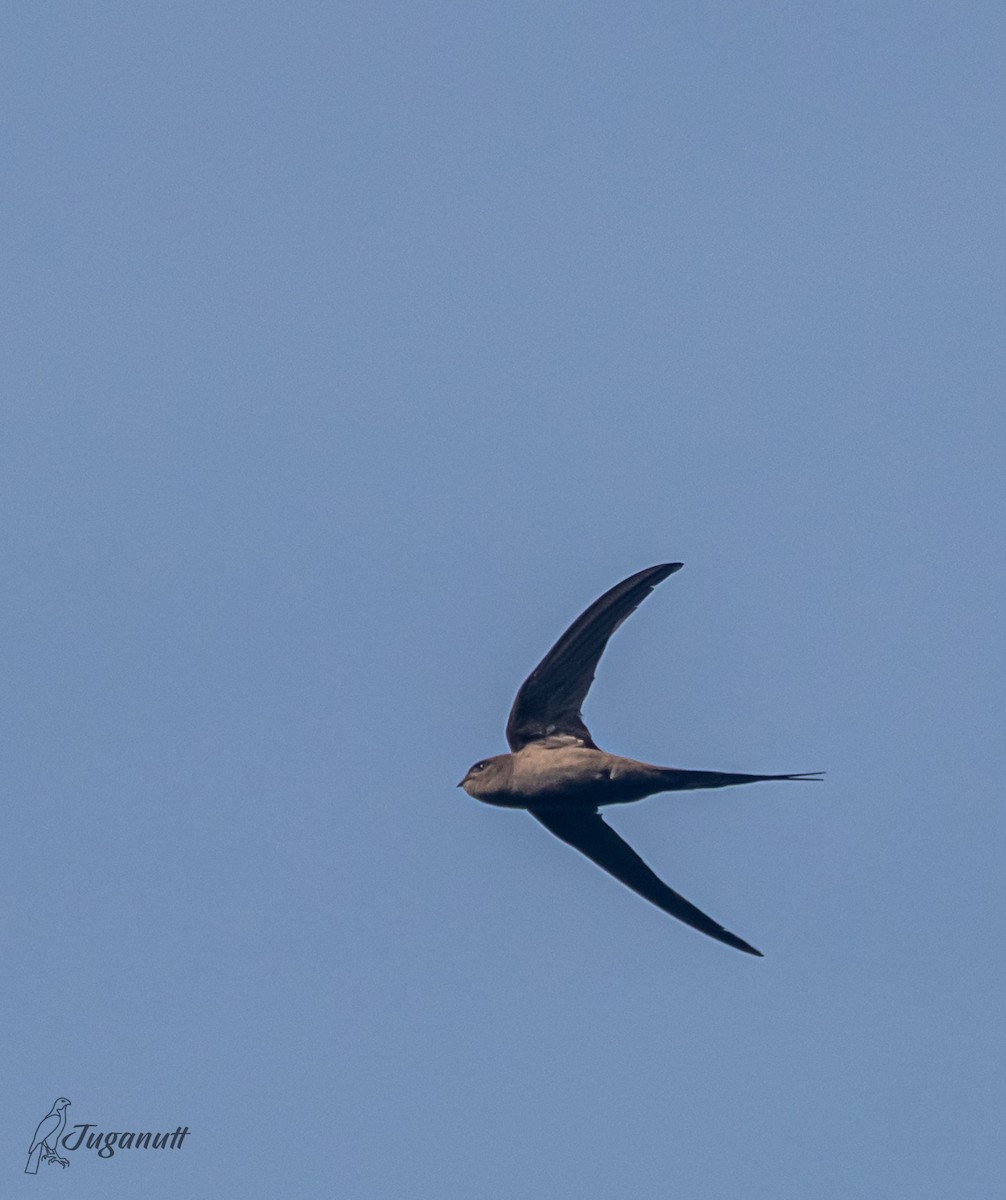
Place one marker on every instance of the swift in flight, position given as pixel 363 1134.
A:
pixel 558 774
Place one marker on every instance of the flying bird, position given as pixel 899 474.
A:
pixel 559 775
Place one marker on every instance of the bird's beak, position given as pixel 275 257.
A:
pixel 462 783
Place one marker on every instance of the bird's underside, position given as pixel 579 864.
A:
pixel 557 772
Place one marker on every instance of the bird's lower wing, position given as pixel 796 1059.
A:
pixel 587 832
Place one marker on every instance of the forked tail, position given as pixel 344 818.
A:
pixel 683 781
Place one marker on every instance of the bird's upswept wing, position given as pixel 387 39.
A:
pixel 587 832
pixel 550 699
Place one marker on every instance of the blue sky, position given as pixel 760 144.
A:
pixel 351 350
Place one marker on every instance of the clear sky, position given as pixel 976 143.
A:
pixel 352 349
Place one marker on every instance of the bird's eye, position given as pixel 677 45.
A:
pixel 479 766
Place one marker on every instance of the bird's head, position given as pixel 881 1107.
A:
pixel 489 778
pixel 61 1103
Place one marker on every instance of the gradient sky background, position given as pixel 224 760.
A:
pixel 351 350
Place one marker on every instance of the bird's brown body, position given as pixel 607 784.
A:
pixel 562 773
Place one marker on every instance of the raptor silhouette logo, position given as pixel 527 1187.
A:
pixel 45 1143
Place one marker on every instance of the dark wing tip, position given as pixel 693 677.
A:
pixel 730 939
